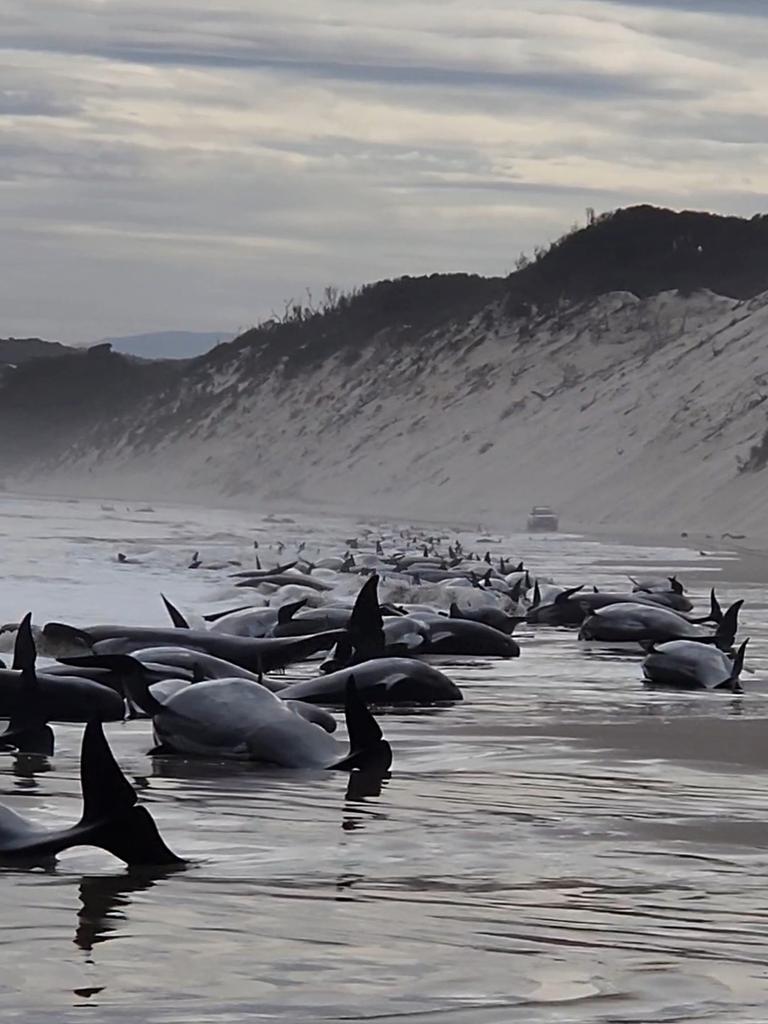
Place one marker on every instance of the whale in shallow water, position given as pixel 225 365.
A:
pixel 111 820
pixel 30 699
pixel 627 622
pixel 687 665
pixel 380 681
pixel 571 607
pixel 253 654
pixel 240 720
pixel 423 633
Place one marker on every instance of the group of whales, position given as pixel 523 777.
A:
pixel 205 682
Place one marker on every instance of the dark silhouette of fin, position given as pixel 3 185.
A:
pixel 675 584
pixel 28 730
pixel 727 629
pixel 368 750
pixel 110 819
pixel 732 683
pixel 516 591
pixel 286 613
pixel 563 597
pixel 110 813
pixel 536 595
pixel 177 618
pixel 455 612
pixel 213 616
pixel 134 678
pixel 342 655
pixel 24 650
pixel 715 612
pixel 366 626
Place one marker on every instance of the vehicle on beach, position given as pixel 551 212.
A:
pixel 542 519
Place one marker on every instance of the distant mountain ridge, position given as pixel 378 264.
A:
pixel 21 350
pixel 622 374
pixel 167 344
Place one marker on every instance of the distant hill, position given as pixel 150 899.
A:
pixel 620 374
pixel 15 351
pixel 167 344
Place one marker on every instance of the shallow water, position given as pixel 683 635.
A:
pixel 564 846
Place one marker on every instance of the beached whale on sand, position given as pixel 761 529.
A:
pixel 688 665
pixel 253 654
pixel 237 719
pixel 30 699
pixel 627 622
pixel 380 681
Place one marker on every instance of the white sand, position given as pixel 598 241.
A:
pixel 621 413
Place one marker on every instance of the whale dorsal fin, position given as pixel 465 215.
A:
pixel 366 626
pixel 286 613
pixel 566 594
pixel 177 618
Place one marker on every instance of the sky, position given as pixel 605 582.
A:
pixel 195 165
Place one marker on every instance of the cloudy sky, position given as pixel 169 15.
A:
pixel 193 164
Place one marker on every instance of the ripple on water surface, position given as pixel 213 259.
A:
pixel 564 846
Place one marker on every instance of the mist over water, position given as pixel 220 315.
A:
pixel 563 846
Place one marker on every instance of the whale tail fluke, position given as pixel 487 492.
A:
pixel 111 818
pixel 368 750
pixel 727 629
pixel 732 683
pixel 177 618
pixel 715 612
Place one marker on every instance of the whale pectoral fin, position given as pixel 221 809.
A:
pixel 445 634
pixel 368 749
pixel 177 618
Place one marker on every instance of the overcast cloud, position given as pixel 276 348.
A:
pixel 192 165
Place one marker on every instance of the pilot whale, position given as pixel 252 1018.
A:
pixel 237 719
pixel 31 699
pixel 380 681
pixel 111 820
pixel 687 665
pixel 627 622
pixel 253 654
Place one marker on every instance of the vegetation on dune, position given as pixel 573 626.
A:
pixel 50 404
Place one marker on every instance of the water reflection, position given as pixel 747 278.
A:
pixel 27 766
pixel 105 899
